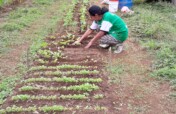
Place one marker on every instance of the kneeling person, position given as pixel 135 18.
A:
pixel 112 29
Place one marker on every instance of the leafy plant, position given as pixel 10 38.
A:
pixel 64 66
pixel 52 108
pixel 84 87
pixel 27 97
pixel 21 97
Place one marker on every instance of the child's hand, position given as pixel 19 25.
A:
pixel 88 45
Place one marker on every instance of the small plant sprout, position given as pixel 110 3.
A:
pixel 98 96
pixel 98 108
pixel 44 44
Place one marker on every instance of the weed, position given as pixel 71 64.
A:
pixel 115 71
pixel 6 87
pixel 12 27
pixel 151 44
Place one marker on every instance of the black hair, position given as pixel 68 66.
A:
pixel 93 10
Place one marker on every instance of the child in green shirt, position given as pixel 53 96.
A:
pixel 112 29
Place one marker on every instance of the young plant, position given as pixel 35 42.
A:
pixel 98 96
pixel 75 96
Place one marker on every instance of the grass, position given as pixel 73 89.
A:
pixel 6 87
pixel 119 70
pixel 5 2
pixel 154 26
pixel 115 72
pixel 8 83
pixel 18 20
pixel 44 26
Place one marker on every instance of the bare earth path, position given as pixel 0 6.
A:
pixel 137 91
pixel 132 89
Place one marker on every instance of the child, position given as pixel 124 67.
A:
pixel 112 29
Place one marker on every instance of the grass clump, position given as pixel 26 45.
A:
pixel 6 87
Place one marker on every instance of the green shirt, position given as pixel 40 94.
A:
pixel 113 25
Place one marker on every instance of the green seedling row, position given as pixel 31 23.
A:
pixel 83 12
pixel 65 66
pixel 68 19
pixel 63 79
pixel 83 87
pixel 59 73
pixel 50 54
pixel 16 109
pixel 26 97
pixel 46 109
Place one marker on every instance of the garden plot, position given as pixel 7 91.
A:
pixel 69 79
pixel 64 78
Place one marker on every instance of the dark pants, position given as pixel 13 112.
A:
pixel 110 40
